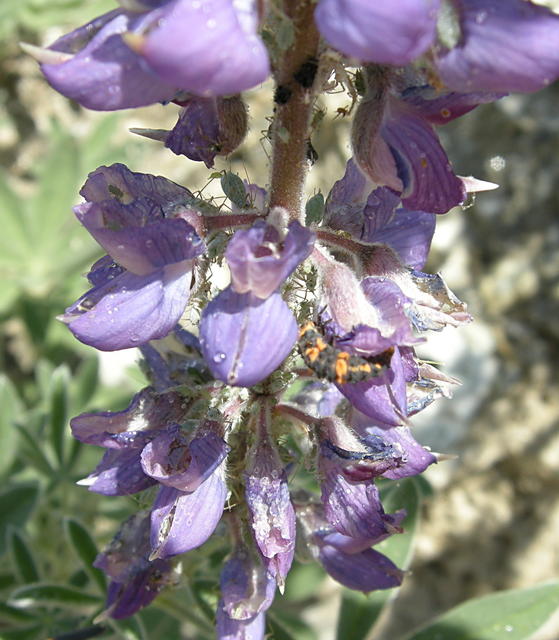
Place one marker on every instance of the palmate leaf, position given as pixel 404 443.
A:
pixel 506 615
pixel 359 612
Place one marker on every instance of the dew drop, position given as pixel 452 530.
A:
pixel 481 17
pixel 219 357
pixel 509 628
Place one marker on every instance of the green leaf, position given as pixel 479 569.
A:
pixel 130 629
pixel 16 505
pixel 22 557
pixel 11 407
pixel 507 615
pixel 58 411
pixel 234 188
pixel 30 450
pixel 85 383
pixel 30 632
pixel 285 625
pixel 39 595
pixel 314 209
pixel 359 612
pixel 86 550
pixel 13 614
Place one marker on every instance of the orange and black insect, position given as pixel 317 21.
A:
pixel 337 365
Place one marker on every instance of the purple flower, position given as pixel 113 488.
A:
pixel 247 589
pixel 245 338
pixel 137 219
pixel 348 560
pixel 135 580
pixel 125 434
pixel 502 46
pixel 208 48
pixel 184 518
pixel 97 69
pixel 260 261
pixel 230 629
pixel 127 59
pixel 415 457
pixel 378 31
pixel 271 514
pixel 397 147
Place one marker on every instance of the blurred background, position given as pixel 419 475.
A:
pixel 491 521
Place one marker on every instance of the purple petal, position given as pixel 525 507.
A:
pixel 174 462
pixel 409 233
pixel 117 182
pixel 183 521
pixel 128 551
pixel 429 183
pixel 208 127
pixel 259 263
pixel 353 509
pixel 140 249
pixel 375 31
pixel 272 517
pixel 377 401
pixel 379 210
pixel 118 474
pixel 416 457
pixel 505 46
pixel 246 587
pixel 365 571
pixel 439 108
pixel 146 413
pixel 124 599
pixel 209 48
pixel 130 310
pixel 229 629
pixel 345 203
pixel 244 338
pixel 104 74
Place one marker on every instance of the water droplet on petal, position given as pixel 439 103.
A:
pixel 219 357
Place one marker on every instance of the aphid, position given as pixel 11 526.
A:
pixel 282 94
pixel 306 73
pixel 337 365
pixel 312 155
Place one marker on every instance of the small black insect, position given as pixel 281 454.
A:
pixel 312 155
pixel 306 73
pixel 282 94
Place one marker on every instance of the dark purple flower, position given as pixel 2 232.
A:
pixel 271 514
pixel 397 147
pixel 245 338
pixel 348 560
pixel 154 247
pixel 135 580
pixel 501 46
pixel 378 31
pixel 260 261
pixel 206 128
pixel 365 571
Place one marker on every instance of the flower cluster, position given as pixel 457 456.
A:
pixel 272 414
